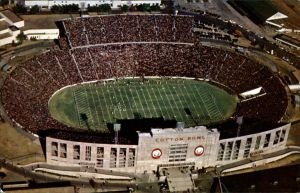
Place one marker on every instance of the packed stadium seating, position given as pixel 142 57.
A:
pixel 32 83
pixel 128 28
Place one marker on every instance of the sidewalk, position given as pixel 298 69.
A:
pixel 260 160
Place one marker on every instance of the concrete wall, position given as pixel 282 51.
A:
pixel 69 161
pixel 172 147
pixel 42 34
pixel 254 148
pixel 7 30
pixel 165 139
pixel 7 40
pixel 12 37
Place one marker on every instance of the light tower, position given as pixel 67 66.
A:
pixel 239 121
pixel 117 128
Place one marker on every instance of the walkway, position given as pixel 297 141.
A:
pixel 243 164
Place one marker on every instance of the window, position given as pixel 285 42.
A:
pixel 100 152
pixel 276 139
pixel 131 157
pixel 221 151
pixel 76 152
pixel 113 157
pixel 282 135
pixel 257 143
pixel 63 150
pixel 100 156
pixel 236 149
pixel 122 157
pixel 178 152
pixel 88 150
pixel 247 147
pixel 228 150
pixel 54 149
pixel 267 140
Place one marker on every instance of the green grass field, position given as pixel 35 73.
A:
pixel 96 104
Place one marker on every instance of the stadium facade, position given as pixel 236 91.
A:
pixel 162 148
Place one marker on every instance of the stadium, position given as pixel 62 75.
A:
pixel 138 93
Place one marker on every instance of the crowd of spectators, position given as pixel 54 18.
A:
pixel 129 28
pixel 26 91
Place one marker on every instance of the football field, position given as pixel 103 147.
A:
pixel 94 105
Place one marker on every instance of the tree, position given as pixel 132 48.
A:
pixel 21 37
pixel 124 8
pixel 34 9
pixel 19 9
pixel 99 8
pixel 105 8
pixel 132 8
pixel 4 2
pixel 55 9
pixel 73 8
pixel 143 7
pixel 155 7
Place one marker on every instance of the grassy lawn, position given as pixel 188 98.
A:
pixel 96 104
pixel 17 147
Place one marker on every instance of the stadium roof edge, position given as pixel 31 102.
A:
pixel 276 16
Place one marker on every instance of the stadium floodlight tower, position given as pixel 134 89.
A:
pixel 117 128
pixel 175 12
pixel 180 126
pixel 239 121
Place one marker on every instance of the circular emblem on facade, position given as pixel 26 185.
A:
pixel 156 153
pixel 199 150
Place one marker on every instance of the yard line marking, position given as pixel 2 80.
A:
pixel 124 108
pixel 170 87
pixel 129 107
pixel 154 108
pixel 159 107
pixel 112 103
pixel 204 104
pixel 100 106
pixel 109 111
pixel 117 100
pixel 95 107
pixel 135 104
pixel 163 99
pixel 89 106
pixel 201 104
pixel 150 114
pixel 76 105
pixel 141 104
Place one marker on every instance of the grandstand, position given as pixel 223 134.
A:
pixel 105 47
pixel 128 93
